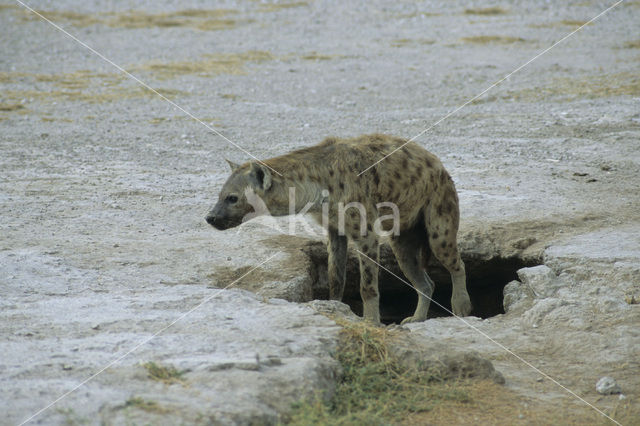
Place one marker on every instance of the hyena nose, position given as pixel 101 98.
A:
pixel 211 219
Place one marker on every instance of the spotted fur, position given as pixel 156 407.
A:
pixel 412 178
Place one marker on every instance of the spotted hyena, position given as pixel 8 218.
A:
pixel 411 182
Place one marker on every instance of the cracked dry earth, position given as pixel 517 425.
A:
pixel 104 187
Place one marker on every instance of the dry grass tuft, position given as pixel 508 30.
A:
pixel 273 7
pixel 53 119
pixel 418 14
pixel 211 65
pixel 145 405
pixel 573 23
pixel 406 41
pixel 81 79
pixel 492 39
pixel 164 374
pixel 375 388
pixel 568 89
pixel 317 57
pixel 565 22
pixel 200 19
pixel 82 86
pixel 486 11
pixel 493 404
pixel 635 44
pixel 231 96
pixel 112 95
pixel 10 107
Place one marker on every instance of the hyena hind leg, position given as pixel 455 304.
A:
pixel 442 240
pixel 411 251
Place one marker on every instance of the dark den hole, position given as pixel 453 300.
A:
pixel 486 280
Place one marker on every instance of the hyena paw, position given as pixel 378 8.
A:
pixel 412 318
pixel 461 305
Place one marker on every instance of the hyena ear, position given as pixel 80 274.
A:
pixel 260 175
pixel 233 165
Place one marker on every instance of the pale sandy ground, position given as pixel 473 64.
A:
pixel 104 186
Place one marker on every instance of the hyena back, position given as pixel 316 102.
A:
pixel 327 177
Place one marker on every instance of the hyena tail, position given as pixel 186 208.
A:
pixel 442 218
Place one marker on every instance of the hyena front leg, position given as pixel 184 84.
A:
pixel 337 248
pixel 368 257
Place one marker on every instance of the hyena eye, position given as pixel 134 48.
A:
pixel 232 199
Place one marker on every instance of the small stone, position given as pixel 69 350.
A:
pixel 607 386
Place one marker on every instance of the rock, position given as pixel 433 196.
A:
pixel 607 386
pixel 538 278
pixel 542 310
pixel 441 361
pixel 291 275
pixel 297 289
pixel 333 307
pixel 516 294
pixel 465 365
pixel 611 304
pixel 242 360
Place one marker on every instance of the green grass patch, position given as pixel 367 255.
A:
pixel 376 388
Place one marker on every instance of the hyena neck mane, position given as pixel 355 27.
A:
pixel 307 171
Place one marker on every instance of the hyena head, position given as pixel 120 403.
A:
pixel 247 193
